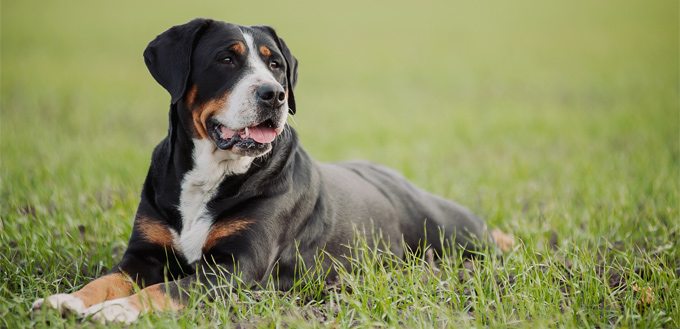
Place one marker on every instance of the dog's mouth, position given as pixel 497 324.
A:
pixel 248 140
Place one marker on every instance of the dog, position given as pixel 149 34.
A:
pixel 230 187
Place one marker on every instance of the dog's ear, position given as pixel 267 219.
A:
pixel 291 65
pixel 168 57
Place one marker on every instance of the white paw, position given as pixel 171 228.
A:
pixel 62 302
pixel 117 310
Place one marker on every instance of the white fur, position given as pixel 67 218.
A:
pixel 241 107
pixel 116 310
pixel 211 165
pixel 61 302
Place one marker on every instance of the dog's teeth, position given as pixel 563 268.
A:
pixel 247 133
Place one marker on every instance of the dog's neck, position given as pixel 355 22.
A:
pixel 200 183
pixel 179 152
pixel 202 162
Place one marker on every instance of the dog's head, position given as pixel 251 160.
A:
pixel 236 81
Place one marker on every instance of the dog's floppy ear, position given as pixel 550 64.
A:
pixel 291 72
pixel 168 57
pixel 291 66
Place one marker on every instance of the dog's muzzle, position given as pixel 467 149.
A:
pixel 253 138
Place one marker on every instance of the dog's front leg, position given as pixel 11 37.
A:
pixel 214 276
pixel 116 284
pixel 142 264
pixel 110 286
pixel 169 296
pixel 128 309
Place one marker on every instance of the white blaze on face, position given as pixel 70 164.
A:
pixel 241 107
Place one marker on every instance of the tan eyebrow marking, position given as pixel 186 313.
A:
pixel 238 48
pixel 265 51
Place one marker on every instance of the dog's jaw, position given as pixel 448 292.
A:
pixel 251 141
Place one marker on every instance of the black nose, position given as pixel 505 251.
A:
pixel 271 95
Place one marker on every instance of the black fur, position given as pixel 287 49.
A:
pixel 294 202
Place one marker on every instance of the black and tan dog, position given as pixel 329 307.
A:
pixel 231 186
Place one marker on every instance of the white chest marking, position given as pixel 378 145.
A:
pixel 199 185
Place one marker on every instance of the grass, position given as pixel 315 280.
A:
pixel 557 122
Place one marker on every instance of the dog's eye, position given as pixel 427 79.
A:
pixel 226 60
pixel 274 64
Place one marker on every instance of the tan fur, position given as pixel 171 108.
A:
pixel 154 232
pixel 153 299
pixel 503 240
pixel 191 96
pixel 238 48
pixel 105 288
pixel 266 52
pixel 204 111
pixel 224 229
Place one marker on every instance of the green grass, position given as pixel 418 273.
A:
pixel 557 122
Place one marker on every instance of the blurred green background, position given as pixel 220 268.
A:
pixel 508 107
pixel 555 121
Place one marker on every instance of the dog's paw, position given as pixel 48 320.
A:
pixel 504 241
pixel 62 302
pixel 117 310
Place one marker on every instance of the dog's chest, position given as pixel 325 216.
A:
pixel 198 188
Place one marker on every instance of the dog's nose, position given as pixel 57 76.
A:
pixel 271 95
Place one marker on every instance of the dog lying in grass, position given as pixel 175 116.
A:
pixel 231 188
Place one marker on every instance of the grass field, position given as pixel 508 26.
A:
pixel 555 121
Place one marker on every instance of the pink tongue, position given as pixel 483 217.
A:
pixel 262 135
pixel 226 133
